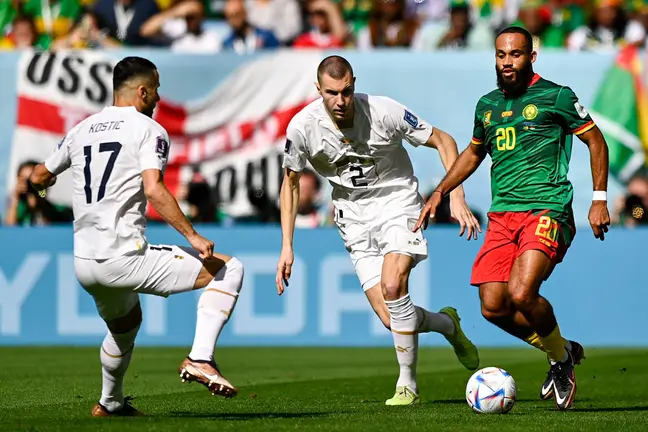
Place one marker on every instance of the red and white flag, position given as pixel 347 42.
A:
pixel 234 135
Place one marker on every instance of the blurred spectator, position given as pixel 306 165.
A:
pixel 606 30
pixel 355 13
pixel 536 17
pixel 53 18
pixel 182 25
pixel 22 36
pixel 459 33
pixel 122 20
pixel 308 215
pixel 196 200
pixel 327 27
pixel 639 23
pixel 245 38
pixel 388 26
pixel 86 34
pixel 630 210
pixel 281 17
pixel 8 12
pixel 26 207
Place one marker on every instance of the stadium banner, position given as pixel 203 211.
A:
pixel 227 113
pixel 598 292
pixel 234 134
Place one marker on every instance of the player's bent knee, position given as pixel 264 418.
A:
pixel 390 288
pixel 494 314
pixel 523 300
pixel 127 323
pixel 227 268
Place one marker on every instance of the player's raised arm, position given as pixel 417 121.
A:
pixel 466 164
pixel 153 156
pixel 294 163
pixel 446 145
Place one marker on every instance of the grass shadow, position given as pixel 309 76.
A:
pixel 610 409
pixel 250 415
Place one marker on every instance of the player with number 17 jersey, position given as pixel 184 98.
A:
pixel 107 153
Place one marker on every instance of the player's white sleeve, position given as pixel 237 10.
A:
pixel 295 150
pixel 406 123
pixel 154 149
pixel 60 160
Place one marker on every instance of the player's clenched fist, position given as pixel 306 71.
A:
pixel 284 269
pixel 202 245
pixel 599 219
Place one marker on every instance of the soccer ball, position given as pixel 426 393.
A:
pixel 491 391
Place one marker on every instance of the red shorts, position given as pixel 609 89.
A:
pixel 510 234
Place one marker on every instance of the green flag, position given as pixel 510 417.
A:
pixel 617 110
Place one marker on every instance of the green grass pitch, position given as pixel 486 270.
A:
pixel 325 389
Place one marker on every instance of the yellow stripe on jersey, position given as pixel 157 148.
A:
pixel 476 141
pixel 584 128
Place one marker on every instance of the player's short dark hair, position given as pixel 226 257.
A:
pixel 335 66
pixel 519 30
pixel 129 68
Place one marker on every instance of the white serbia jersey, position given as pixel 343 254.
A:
pixel 107 153
pixel 365 161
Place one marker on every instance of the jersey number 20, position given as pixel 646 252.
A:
pixel 506 138
pixel 113 148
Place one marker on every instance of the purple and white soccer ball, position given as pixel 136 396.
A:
pixel 491 390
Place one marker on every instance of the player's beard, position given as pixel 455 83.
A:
pixel 523 75
pixel 148 111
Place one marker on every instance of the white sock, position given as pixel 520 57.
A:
pixel 116 353
pixel 404 330
pixel 434 322
pixel 215 307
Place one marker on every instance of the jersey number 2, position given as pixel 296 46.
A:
pixel 360 179
pixel 113 148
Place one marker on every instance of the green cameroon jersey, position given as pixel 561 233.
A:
pixel 529 139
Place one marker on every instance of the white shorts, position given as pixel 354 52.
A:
pixel 116 283
pixel 387 228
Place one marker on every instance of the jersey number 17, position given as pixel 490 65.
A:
pixel 114 149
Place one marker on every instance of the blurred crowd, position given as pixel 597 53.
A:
pixel 209 26
pixel 199 203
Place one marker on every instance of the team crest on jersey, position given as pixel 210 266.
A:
pixel 411 119
pixel 530 112
pixel 580 109
pixel 162 148
pixel 288 146
pixel 487 118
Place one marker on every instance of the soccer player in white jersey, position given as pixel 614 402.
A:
pixel 355 141
pixel 118 157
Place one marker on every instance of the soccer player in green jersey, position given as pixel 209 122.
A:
pixel 526 126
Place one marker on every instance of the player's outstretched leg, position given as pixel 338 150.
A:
pixel 222 278
pixel 527 274
pixel 116 353
pixel 445 322
pixel 464 349
pixel 404 325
